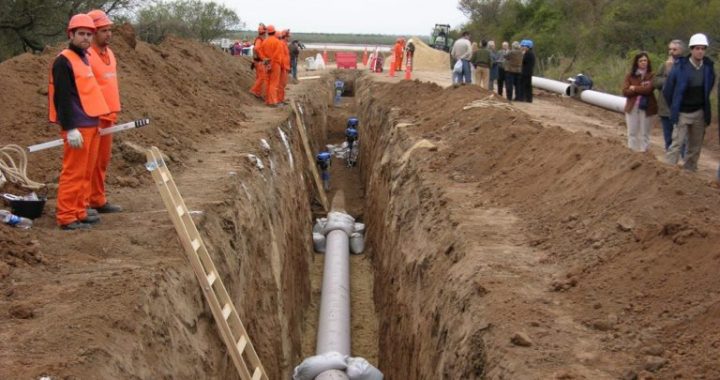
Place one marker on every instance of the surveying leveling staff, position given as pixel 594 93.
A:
pixel 104 67
pixel 76 102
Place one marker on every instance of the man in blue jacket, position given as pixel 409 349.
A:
pixel 687 92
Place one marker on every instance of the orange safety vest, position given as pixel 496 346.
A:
pixel 106 76
pixel 91 97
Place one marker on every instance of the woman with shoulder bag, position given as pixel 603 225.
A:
pixel 641 105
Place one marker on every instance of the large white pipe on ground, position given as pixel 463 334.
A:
pixel 334 325
pixel 600 99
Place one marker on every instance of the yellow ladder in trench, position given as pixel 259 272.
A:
pixel 231 327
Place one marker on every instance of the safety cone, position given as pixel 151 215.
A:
pixel 392 68
pixel 365 57
pixel 325 56
pixel 408 68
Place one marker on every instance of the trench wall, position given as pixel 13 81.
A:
pixel 423 329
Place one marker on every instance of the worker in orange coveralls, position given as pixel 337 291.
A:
pixel 285 69
pixel 76 103
pixel 272 51
pixel 399 49
pixel 260 70
pixel 104 67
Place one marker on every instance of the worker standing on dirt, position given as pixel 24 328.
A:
pixel 528 67
pixel 640 105
pixel 285 69
pixel 462 51
pixel 104 67
pixel 513 69
pixel 687 92
pixel 398 50
pixel 272 51
pixel 482 59
pixel 76 102
pixel 676 49
pixel 261 75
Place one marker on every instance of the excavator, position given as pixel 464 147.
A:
pixel 440 37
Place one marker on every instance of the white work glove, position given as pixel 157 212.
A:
pixel 74 138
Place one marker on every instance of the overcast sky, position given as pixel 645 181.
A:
pixel 401 17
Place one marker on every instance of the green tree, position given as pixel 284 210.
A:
pixel 30 25
pixel 186 18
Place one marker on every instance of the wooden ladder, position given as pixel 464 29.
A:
pixel 231 327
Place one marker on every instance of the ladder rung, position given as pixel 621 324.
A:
pixel 180 210
pixel 257 375
pixel 226 310
pixel 241 344
pixel 211 278
pixel 195 244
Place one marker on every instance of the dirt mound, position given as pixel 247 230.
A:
pixel 427 58
pixel 187 89
pixel 602 246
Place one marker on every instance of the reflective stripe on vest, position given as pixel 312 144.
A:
pixel 91 97
pixel 106 76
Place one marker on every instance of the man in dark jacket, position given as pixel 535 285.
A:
pixel 528 66
pixel 676 49
pixel 295 47
pixel 687 92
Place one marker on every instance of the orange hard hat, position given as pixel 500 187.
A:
pixel 81 20
pixel 271 29
pixel 261 28
pixel 100 18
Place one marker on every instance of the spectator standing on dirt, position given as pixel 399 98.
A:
pixel 676 49
pixel 687 92
pixel 261 74
pixel 513 69
pixel 501 58
pixel 462 51
pixel 482 60
pixel 528 67
pixel 295 47
pixel 76 103
pixel 640 103
pixel 104 67
pixel 493 65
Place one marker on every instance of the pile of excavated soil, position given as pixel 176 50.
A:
pixel 533 252
pixel 427 58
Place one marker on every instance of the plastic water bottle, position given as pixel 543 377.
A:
pixel 14 220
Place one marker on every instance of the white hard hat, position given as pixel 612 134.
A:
pixel 698 39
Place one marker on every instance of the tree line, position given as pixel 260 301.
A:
pixel 31 25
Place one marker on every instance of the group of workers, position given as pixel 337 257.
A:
pixel 83 98
pixel 271 62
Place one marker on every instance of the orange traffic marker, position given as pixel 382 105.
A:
pixel 365 57
pixel 408 68
pixel 392 68
pixel 325 56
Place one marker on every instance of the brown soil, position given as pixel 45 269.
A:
pixel 505 241
pixel 499 232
